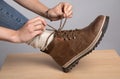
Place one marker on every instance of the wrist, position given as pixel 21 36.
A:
pixel 15 37
pixel 48 15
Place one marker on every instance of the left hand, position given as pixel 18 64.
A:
pixel 31 29
pixel 62 10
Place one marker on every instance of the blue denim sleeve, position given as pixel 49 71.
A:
pixel 10 17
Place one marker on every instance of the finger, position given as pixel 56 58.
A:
pixel 34 26
pixel 37 33
pixel 59 11
pixel 39 23
pixel 69 10
pixel 39 27
pixel 38 18
pixel 69 14
pixel 67 7
pixel 43 21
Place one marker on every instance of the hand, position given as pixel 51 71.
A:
pixel 32 28
pixel 62 10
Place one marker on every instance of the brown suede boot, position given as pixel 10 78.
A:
pixel 68 46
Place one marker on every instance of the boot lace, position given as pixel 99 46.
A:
pixel 67 35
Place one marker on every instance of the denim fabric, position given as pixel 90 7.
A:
pixel 10 17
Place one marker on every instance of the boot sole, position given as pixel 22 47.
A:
pixel 75 60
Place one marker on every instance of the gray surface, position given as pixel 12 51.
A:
pixel 84 12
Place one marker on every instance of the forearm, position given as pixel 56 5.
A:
pixel 8 35
pixel 35 6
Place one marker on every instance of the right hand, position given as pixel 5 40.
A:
pixel 62 10
pixel 32 28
